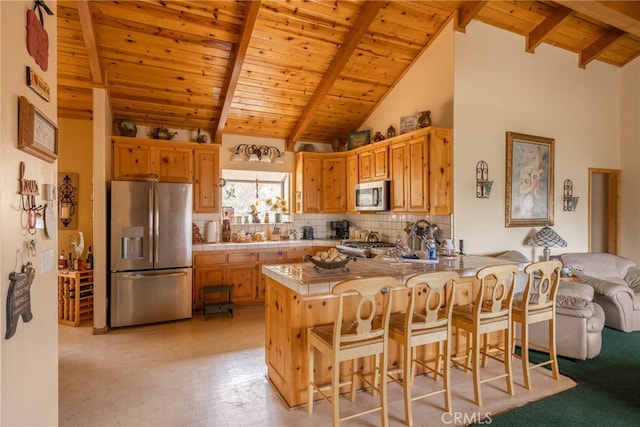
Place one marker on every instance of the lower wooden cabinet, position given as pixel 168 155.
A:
pixel 242 270
pixel 236 269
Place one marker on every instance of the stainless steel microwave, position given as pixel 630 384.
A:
pixel 372 196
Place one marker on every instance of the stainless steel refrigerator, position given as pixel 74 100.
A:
pixel 150 252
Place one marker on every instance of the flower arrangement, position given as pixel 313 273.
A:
pixel 278 205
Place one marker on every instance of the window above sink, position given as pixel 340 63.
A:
pixel 251 194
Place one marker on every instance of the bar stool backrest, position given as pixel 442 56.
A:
pixel 494 299
pixel 438 303
pixel 542 284
pixel 368 323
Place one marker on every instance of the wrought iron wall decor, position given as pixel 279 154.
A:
pixel 257 153
pixel 569 201
pixel 483 185
pixel 67 201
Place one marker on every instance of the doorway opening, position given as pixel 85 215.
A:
pixel 604 210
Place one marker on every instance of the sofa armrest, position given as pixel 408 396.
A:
pixel 604 287
pixel 574 306
pixel 633 278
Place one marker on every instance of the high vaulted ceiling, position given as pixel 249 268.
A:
pixel 299 70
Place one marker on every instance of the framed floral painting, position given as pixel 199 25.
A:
pixel 529 181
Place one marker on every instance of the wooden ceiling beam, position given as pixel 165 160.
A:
pixel 592 51
pixel 229 86
pixel 466 12
pixel 553 21
pixel 360 27
pixel 88 34
pixel 624 15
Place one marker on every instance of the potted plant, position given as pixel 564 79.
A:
pixel 277 205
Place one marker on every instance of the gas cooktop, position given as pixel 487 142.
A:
pixel 361 248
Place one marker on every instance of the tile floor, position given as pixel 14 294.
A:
pixel 212 373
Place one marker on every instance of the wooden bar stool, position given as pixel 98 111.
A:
pixel 363 334
pixel 490 312
pixel 423 323
pixel 537 304
pixel 217 306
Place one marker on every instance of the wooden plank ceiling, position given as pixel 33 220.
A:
pixel 299 70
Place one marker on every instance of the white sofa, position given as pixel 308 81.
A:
pixel 579 320
pixel 616 281
pixel 579 323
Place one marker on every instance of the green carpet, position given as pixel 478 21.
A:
pixel 608 390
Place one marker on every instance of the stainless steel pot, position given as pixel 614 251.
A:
pixel 373 237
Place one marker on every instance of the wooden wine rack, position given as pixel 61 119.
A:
pixel 75 297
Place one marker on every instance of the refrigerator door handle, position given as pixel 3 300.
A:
pixel 150 238
pixel 156 226
pixel 137 276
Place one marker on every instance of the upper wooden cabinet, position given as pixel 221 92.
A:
pixel 374 162
pixel 334 183
pixel 136 159
pixel 421 172
pixel 206 177
pixel 321 182
pixel 352 180
pixel 308 183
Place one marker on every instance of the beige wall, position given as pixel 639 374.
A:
pixel 102 120
pixel 545 94
pixel 428 85
pixel 28 360
pixel 505 89
pixel 74 156
pixel 630 161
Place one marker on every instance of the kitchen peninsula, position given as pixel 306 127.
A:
pixel 297 297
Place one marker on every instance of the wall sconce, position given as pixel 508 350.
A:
pixel 257 153
pixel 67 200
pixel 483 185
pixel 569 202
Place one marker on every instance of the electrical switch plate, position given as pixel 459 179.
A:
pixel 47 260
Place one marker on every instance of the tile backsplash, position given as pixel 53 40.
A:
pixel 388 225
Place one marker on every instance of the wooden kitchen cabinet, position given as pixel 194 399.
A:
pixel 334 183
pixel 206 177
pixel 138 159
pixel 321 183
pixel 242 270
pixel 308 183
pixel 132 161
pixel 269 256
pixel 441 171
pixel 374 162
pixel 398 169
pixel 238 269
pixel 352 180
pixel 421 172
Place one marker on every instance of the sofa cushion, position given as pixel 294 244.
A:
pixel 606 287
pixel 598 264
pixel 575 289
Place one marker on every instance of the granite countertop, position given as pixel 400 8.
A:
pixel 265 244
pixel 304 279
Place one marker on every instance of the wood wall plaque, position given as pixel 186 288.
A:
pixel 37 135
pixel 19 298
